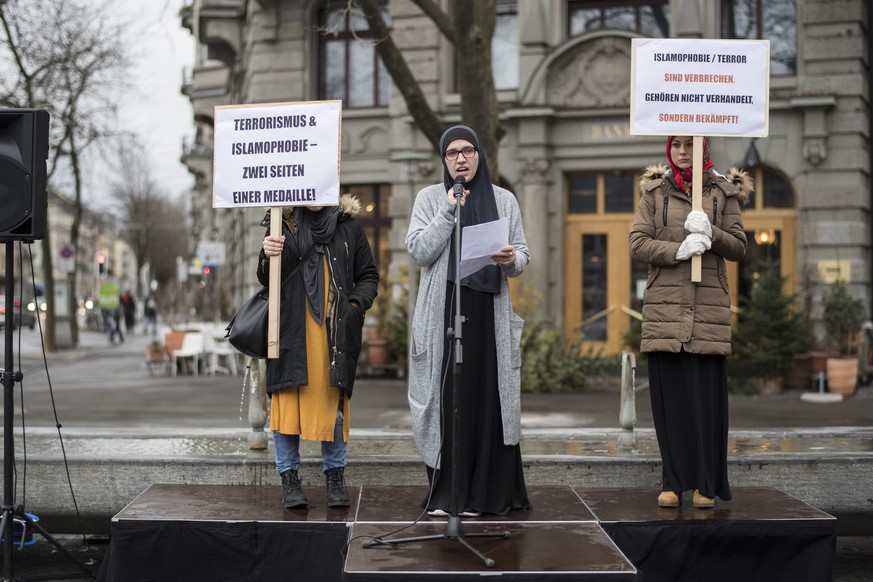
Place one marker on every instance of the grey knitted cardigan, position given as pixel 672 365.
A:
pixel 428 241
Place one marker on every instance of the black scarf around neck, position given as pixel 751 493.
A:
pixel 479 207
pixel 314 231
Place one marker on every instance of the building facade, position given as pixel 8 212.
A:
pixel 562 70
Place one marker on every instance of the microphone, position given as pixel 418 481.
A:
pixel 459 187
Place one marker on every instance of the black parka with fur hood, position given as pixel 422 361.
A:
pixel 353 275
pixel 679 314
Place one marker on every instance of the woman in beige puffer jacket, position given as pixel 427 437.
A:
pixel 686 328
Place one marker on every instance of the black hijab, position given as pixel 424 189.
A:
pixel 480 206
pixel 314 231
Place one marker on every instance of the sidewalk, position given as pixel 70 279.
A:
pixel 108 386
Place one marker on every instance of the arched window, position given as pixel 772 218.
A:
pixel 374 199
pixel 770 219
pixel 648 17
pixel 775 20
pixel 602 282
pixel 349 68
pixel 777 191
pixel 774 189
pixel 504 49
pixel 504 46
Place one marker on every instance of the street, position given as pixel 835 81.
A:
pixel 103 385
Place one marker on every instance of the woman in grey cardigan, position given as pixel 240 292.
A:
pixel 490 477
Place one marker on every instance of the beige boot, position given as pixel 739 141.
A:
pixel 668 499
pixel 701 502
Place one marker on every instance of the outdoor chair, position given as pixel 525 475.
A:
pixel 193 348
pixel 216 349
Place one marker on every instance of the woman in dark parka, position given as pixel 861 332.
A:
pixel 321 318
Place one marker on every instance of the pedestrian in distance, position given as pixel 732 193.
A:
pixel 106 319
pixel 117 316
pixel 322 309
pixel 128 305
pixel 490 475
pixel 150 316
pixel 686 329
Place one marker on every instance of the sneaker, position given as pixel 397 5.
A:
pixel 292 493
pixel 438 513
pixel 470 514
pixel 337 496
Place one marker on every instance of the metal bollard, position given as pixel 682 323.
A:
pixel 256 382
pixel 627 416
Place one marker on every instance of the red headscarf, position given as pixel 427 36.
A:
pixel 683 177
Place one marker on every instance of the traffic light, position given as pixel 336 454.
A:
pixel 23 153
pixel 207 269
pixel 101 265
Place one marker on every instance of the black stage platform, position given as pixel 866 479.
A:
pixel 761 534
pixel 242 533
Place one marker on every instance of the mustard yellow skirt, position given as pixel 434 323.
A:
pixel 310 411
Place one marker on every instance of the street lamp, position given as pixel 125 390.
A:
pixel 410 159
pixel 752 158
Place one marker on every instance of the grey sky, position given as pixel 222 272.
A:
pixel 156 110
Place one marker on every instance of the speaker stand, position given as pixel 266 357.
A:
pixel 11 512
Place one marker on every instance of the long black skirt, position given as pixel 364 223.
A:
pixel 690 412
pixel 490 474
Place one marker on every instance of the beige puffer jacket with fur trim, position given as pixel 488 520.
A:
pixel 677 313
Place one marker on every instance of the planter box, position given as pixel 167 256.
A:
pixel 842 375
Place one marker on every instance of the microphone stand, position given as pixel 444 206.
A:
pixel 15 513
pixel 454 529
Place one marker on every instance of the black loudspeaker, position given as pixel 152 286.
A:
pixel 23 153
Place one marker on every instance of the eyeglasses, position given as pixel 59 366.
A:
pixel 468 152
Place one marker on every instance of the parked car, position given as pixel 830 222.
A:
pixel 19 316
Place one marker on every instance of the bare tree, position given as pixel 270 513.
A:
pixel 471 37
pixel 66 56
pixel 154 224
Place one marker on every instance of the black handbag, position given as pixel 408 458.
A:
pixel 247 330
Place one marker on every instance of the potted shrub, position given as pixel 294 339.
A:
pixel 771 331
pixel 843 315
pixel 155 352
pixel 155 357
pixel 173 340
pixel 396 331
pixel 378 353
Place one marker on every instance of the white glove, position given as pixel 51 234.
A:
pixel 694 244
pixel 698 222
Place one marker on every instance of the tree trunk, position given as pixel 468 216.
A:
pixel 471 36
pixel 78 211
pixel 479 107
pixel 47 275
pixel 425 118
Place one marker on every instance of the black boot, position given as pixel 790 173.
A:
pixel 292 495
pixel 337 496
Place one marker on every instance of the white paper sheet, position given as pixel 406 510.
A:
pixel 479 242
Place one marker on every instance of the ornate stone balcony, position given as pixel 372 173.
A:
pixel 220 29
pixel 208 87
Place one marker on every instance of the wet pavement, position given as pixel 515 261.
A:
pixel 108 404
pixel 162 443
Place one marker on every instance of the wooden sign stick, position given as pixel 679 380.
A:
pixel 275 287
pixel 696 201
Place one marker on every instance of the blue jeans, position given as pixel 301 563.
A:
pixel 333 453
